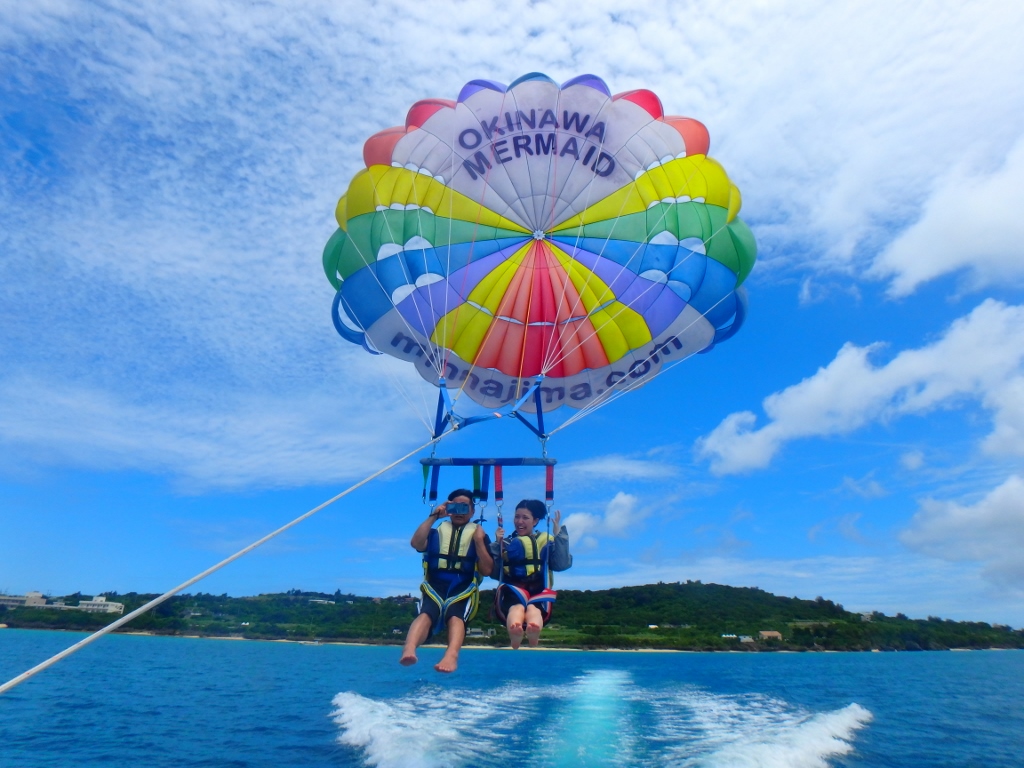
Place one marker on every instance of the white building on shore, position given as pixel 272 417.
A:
pixel 28 600
pixel 38 600
pixel 100 605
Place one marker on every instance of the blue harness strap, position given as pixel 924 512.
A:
pixel 435 474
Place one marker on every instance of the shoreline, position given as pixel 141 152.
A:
pixel 441 646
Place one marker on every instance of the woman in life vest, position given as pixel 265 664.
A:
pixel 523 563
pixel 456 554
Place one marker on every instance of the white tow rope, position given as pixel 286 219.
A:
pixel 198 577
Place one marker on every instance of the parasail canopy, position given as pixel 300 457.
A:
pixel 539 231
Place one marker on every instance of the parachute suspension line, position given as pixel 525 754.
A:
pixel 616 393
pixel 545 218
pixel 529 306
pixel 200 576
pixel 449 214
pixel 458 421
pixel 482 205
pixel 534 389
pixel 384 290
pixel 473 366
pixel 449 343
pixel 548 358
pixel 595 331
pixel 388 363
pixel 435 358
pixel 547 355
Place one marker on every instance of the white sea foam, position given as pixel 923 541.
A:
pixel 807 745
pixel 754 731
pixel 428 729
pixel 602 718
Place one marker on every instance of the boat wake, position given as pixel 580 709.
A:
pixel 703 730
pixel 600 719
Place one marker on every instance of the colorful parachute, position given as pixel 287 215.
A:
pixel 539 230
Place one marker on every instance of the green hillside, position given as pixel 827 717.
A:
pixel 684 616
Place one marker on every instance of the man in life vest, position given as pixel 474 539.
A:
pixel 455 556
pixel 525 597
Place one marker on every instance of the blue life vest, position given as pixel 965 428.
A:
pixel 449 565
pixel 450 553
pixel 525 558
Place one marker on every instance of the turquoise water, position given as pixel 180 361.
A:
pixel 154 701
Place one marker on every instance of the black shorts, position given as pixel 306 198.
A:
pixel 460 609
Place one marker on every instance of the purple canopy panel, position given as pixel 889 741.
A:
pixel 465 279
pixel 426 305
pixel 475 86
pixel 592 81
pixel 663 305
pixel 658 304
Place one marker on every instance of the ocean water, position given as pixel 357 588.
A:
pixel 157 701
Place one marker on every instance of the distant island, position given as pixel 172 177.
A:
pixel 688 616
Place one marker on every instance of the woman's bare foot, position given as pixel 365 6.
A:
pixel 447 664
pixel 408 658
pixel 533 634
pixel 515 635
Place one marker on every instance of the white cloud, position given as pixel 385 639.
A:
pixel 912 460
pixel 847 525
pixel 619 517
pixel 1007 438
pixel 866 487
pixel 248 440
pixel 835 119
pixel 616 467
pixel 978 358
pixel 166 204
pixel 990 531
pixel 971 221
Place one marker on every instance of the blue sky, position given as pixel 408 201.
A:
pixel 171 387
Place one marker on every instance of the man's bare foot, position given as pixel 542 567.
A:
pixel 533 634
pixel 515 635
pixel 408 658
pixel 447 664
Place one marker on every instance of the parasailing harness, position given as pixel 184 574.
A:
pixel 540 544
